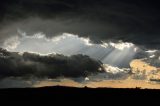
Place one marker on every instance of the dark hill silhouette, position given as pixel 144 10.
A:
pixel 61 93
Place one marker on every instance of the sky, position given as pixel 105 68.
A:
pixel 83 41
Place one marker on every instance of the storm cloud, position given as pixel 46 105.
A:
pixel 101 20
pixel 26 65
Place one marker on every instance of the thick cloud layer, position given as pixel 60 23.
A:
pixel 76 27
pixel 15 83
pixel 133 21
pixel 51 66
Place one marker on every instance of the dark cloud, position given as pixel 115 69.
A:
pixel 13 64
pixel 14 83
pixel 134 21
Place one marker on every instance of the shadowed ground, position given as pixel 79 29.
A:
pixel 81 94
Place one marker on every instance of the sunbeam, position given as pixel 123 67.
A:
pixel 120 58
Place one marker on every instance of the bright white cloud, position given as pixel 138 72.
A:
pixel 115 70
pixel 152 56
pixel 12 43
pixel 86 79
pixel 151 51
pixel 121 45
pixel 105 45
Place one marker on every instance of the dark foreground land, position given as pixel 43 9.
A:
pixel 71 93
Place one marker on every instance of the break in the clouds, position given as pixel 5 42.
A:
pixel 113 53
